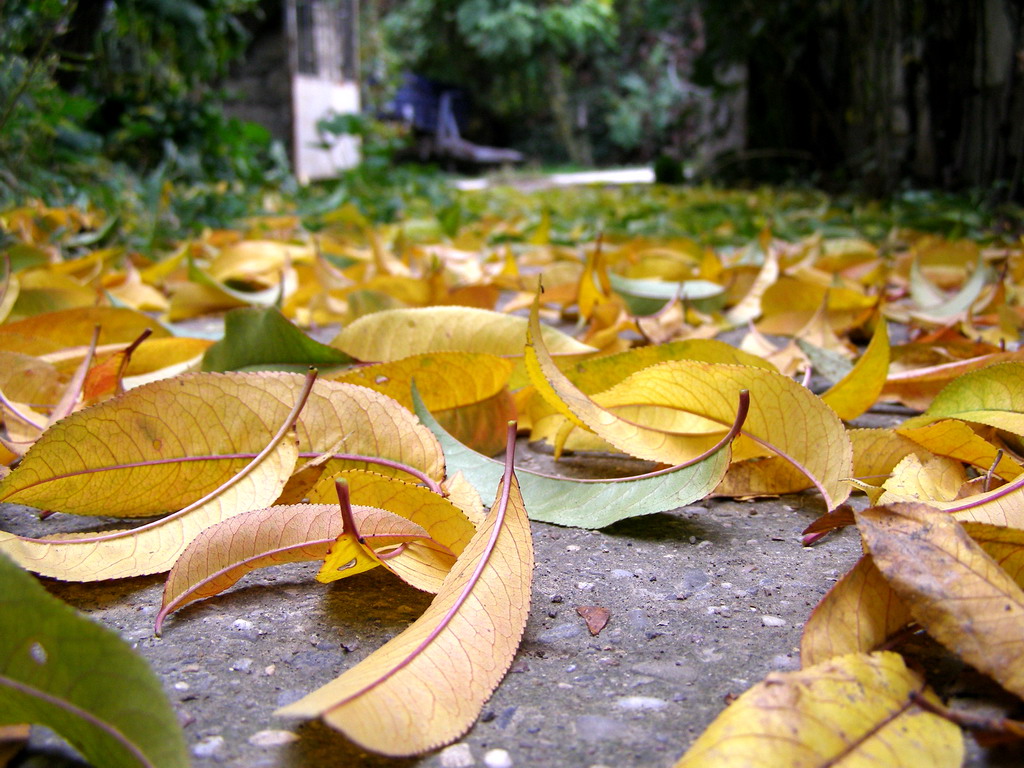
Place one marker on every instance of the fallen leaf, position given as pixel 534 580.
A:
pixel 394 334
pixel 220 555
pixel 446 523
pixel 596 617
pixel 54 331
pixel 857 710
pixel 933 479
pixel 957 440
pixel 857 615
pixel 952 588
pixel 992 396
pixel 81 680
pixel 153 547
pixel 784 417
pixel 917 388
pixel 160 447
pixel 856 392
pixel 263 338
pixel 425 687
pixel 596 503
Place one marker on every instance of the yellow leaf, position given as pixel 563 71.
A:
pixel 43 290
pixel 406 550
pixel 74 328
pixel 750 306
pixel 784 416
pixel 225 552
pixel 445 379
pixel 789 304
pixel 857 615
pixel 154 547
pixel 164 445
pixel 856 392
pixel 876 452
pixel 770 476
pixel 953 589
pixel 958 441
pixel 855 710
pixel 394 334
pixel 934 479
pixel 425 687
pixel 992 396
pixel 917 388
pixel 423 564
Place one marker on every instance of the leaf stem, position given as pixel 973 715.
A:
pixel 969 721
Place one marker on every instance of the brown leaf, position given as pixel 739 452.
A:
pixel 952 588
pixel 595 616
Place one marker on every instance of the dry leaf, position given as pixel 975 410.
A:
pixel 857 615
pixel 852 710
pixel 596 617
pixel 154 547
pixel 225 552
pixel 952 588
pixel 425 687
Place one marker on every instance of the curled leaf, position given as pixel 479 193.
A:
pixel 225 552
pixel 425 687
pixel 154 547
pixel 593 503
pixel 857 615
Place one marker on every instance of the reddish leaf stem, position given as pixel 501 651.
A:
pixel 971 722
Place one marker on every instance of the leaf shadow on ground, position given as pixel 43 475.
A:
pixel 318 740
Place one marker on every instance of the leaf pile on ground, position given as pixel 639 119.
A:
pixel 589 321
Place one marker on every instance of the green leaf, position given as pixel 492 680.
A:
pixel 264 338
pixel 645 297
pixel 81 680
pixel 583 504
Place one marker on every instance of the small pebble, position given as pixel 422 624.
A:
pixel 773 621
pixel 272 738
pixel 619 573
pixel 456 756
pixel 181 686
pixel 241 665
pixel 211 746
pixel 242 625
pixel 270 669
pixel 497 758
pixel 641 703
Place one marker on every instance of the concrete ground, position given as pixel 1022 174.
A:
pixel 705 601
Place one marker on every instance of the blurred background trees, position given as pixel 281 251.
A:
pixel 874 95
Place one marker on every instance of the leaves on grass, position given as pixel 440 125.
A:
pixel 63 671
pixel 854 708
pixel 425 687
